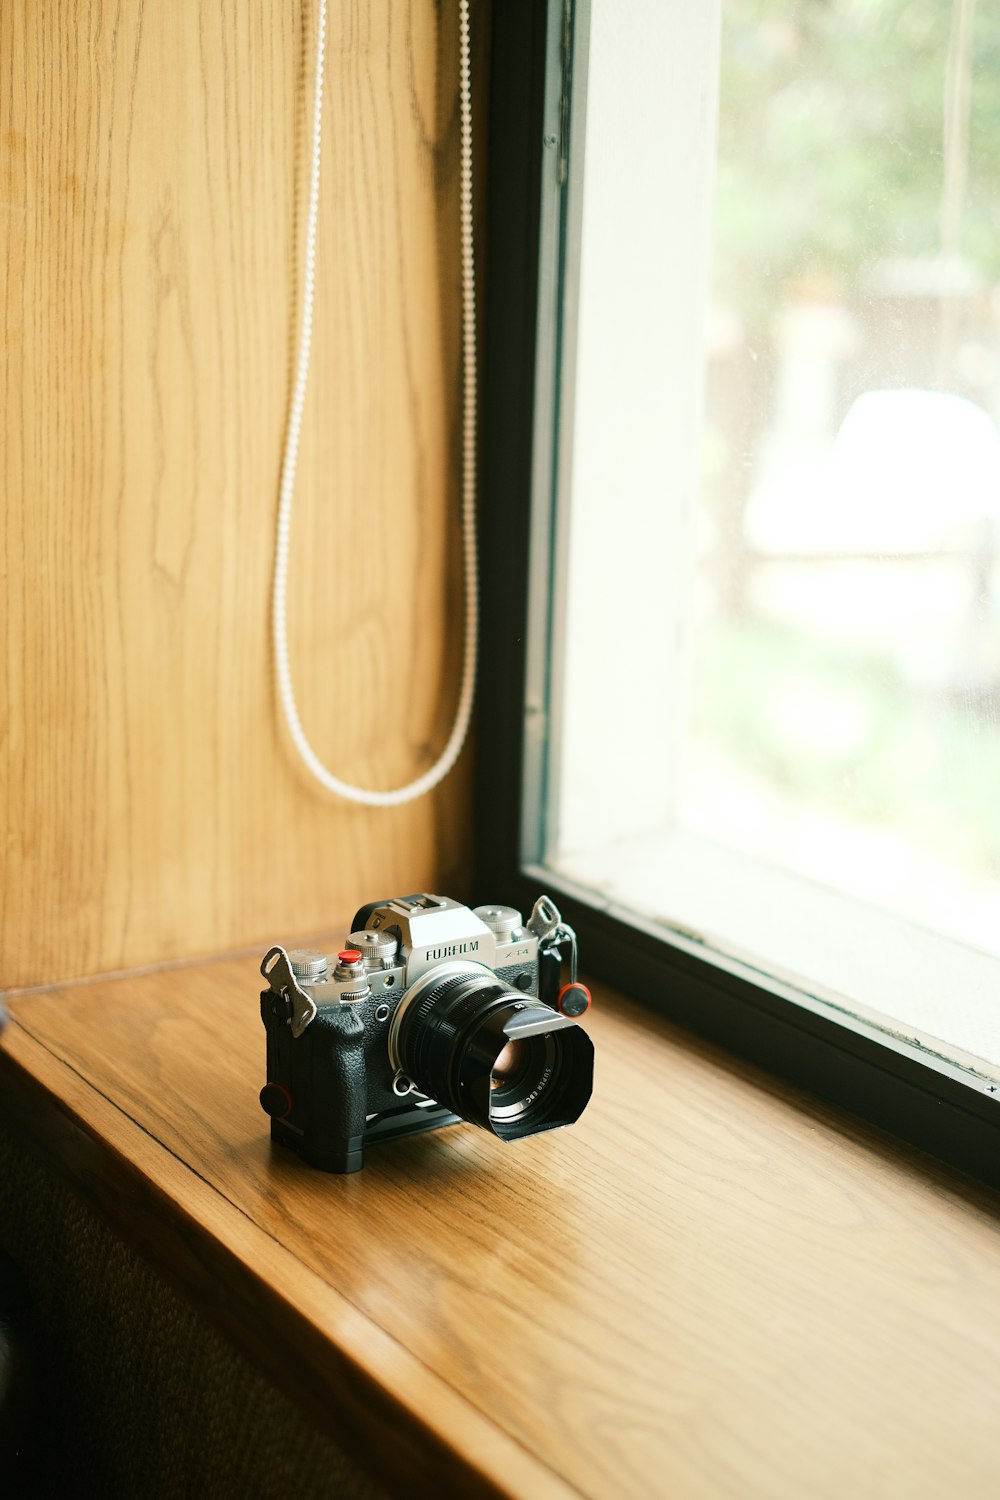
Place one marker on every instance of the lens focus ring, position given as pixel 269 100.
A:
pixel 430 1038
pixel 456 1032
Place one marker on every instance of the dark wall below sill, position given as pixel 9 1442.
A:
pixel 133 1393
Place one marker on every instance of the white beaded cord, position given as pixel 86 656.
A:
pixel 289 465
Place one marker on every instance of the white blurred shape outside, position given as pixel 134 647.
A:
pixel 909 471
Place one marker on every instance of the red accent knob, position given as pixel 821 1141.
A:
pixel 275 1100
pixel 349 955
pixel 574 1000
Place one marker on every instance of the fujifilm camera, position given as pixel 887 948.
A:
pixel 431 1013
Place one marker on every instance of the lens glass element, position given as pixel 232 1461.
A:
pixel 508 1064
pixel 522 1086
pixel 492 1055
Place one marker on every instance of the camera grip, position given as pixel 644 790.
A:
pixel 334 1138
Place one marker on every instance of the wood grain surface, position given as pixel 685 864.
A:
pixel 153 171
pixel 704 1289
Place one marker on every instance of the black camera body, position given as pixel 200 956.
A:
pixel 432 1013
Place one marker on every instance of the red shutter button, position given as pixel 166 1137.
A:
pixel 573 1000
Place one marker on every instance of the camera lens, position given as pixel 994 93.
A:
pixel 497 1058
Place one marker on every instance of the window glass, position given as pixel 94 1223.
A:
pixel 777 702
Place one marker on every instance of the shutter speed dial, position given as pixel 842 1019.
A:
pixel 378 949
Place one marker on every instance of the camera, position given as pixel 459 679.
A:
pixel 431 1013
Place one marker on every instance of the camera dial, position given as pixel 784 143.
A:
pixel 307 964
pixel 378 949
pixel 505 921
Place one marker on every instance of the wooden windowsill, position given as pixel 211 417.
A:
pixel 707 1287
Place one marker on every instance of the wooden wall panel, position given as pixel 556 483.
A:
pixel 153 175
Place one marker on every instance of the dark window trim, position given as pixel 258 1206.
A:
pixel 895 1084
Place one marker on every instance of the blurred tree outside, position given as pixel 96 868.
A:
pixel 858 179
pixel 831 145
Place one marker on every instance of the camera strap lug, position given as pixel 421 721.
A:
pixel 569 936
pixel 552 933
pixel 544 921
pixel 553 949
pixel 277 970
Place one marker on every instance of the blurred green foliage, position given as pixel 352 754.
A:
pixel 830 151
pixel 916 763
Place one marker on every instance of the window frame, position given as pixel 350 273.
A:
pixel 896 1084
